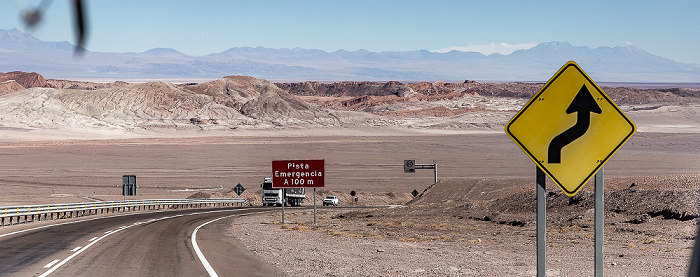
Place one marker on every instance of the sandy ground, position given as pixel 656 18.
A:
pixel 59 171
pixel 449 234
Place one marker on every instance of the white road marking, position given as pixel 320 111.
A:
pixel 51 263
pixel 72 222
pixel 200 255
pixel 76 249
pixel 96 239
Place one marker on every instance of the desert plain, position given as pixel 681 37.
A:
pixel 478 220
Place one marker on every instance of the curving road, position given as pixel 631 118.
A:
pixel 148 244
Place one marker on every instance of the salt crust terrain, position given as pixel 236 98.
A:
pixel 472 223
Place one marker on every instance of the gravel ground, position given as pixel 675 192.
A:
pixel 343 246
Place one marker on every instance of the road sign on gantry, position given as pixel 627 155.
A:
pixel 409 166
pixel 570 128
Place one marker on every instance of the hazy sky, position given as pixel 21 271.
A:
pixel 670 29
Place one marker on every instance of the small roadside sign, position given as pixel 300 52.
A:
pixel 239 189
pixel 129 185
pixel 570 128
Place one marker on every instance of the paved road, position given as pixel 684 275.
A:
pixel 150 244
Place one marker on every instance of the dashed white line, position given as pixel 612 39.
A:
pixel 51 263
pixel 93 238
pixel 76 249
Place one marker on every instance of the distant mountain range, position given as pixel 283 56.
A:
pixel 20 51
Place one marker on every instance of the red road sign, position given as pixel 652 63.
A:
pixel 298 174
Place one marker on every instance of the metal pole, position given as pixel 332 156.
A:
pixel 694 268
pixel 435 170
pixel 541 224
pixel 599 222
pixel 284 201
pixel 314 206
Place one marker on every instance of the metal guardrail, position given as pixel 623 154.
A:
pixel 108 206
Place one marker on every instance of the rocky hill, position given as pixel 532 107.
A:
pixel 9 86
pixel 257 99
pixel 28 102
pixel 365 95
pixel 26 80
pixel 227 103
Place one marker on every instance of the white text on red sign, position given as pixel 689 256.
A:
pixel 298 173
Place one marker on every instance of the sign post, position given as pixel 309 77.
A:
pixel 570 128
pixel 314 206
pixel 239 189
pixel 410 166
pixel 541 223
pixel 599 222
pixel 354 199
pixel 295 174
pixel 129 185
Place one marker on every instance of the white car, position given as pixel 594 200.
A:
pixel 330 200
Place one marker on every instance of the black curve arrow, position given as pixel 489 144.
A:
pixel 584 104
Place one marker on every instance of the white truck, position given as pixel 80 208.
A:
pixel 272 196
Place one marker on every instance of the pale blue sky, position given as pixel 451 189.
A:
pixel 670 29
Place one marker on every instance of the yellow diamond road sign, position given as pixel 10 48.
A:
pixel 570 128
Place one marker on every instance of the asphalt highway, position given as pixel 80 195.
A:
pixel 143 244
